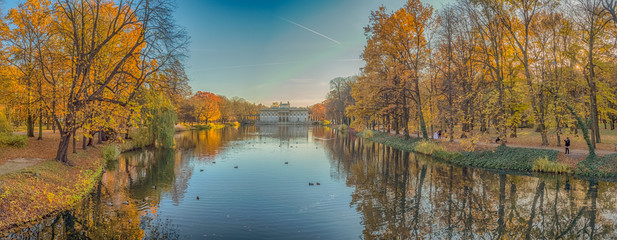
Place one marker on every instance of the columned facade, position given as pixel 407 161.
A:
pixel 284 114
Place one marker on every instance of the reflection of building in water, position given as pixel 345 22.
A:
pixel 283 113
pixel 282 132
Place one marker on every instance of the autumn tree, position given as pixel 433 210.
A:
pixel 395 52
pixel 592 21
pixel 318 111
pixel 85 62
pixel 206 106
pixel 339 98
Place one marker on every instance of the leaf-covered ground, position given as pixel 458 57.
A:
pixel 42 149
pixel 49 186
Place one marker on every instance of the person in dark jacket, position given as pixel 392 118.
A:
pixel 567 141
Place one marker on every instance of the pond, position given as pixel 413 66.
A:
pixel 253 183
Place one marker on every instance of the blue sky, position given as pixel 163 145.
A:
pixel 273 50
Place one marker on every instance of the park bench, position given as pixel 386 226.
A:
pixel 615 146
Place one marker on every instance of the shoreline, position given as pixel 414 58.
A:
pixel 501 158
pixel 39 191
pixel 50 187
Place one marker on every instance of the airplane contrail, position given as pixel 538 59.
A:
pixel 310 30
pixel 246 66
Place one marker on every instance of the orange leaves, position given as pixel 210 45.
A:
pixel 319 111
pixel 206 106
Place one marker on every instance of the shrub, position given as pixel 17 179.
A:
pixel 367 133
pixel 428 148
pixel 5 126
pixel 111 152
pixel 543 164
pixel 342 128
pixel 7 139
pixel 325 122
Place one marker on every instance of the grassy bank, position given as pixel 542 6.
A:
pixel 501 158
pixel 207 126
pixel 51 187
pixel 604 167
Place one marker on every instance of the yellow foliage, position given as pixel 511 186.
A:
pixel 543 164
pixel 428 147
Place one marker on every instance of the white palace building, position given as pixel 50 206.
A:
pixel 284 114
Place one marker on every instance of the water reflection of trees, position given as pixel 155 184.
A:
pixel 124 204
pixel 123 198
pixel 407 196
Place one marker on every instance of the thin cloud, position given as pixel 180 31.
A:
pixel 310 30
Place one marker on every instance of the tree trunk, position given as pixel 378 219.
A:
pixel 30 124
pixel 604 122
pixel 29 120
pixel 83 142
pixel 40 124
pixel 420 115
pixel 558 131
pixel 406 120
pixel 543 133
pixel 588 138
pixel 594 117
pixel 593 102
pixel 63 147
pixel 451 131
pixel 396 128
pixel 74 142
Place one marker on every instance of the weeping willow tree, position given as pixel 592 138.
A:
pixel 158 117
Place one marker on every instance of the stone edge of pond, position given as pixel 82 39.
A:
pixel 93 175
pixel 518 159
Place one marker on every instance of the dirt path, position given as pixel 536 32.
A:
pixel 575 151
pixel 17 164
pixel 36 151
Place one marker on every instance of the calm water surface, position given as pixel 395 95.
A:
pixel 366 191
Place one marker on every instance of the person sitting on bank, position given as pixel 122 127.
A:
pixel 498 140
pixel 567 141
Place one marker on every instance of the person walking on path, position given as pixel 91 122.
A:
pixel 567 141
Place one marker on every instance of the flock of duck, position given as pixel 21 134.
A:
pixel 310 183
pixel 201 170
